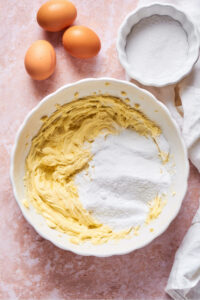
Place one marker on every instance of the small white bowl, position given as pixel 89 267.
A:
pixel 154 109
pixel 162 10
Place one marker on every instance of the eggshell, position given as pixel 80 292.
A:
pixel 40 60
pixel 56 15
pixel 81 42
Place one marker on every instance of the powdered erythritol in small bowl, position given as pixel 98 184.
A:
pixel 157 47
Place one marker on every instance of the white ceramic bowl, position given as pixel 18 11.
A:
pixel 153 109
pixel 163 10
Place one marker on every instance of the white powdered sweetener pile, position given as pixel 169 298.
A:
pixel 157 47
pixel 124 175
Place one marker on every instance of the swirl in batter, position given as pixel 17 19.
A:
pixel 62 148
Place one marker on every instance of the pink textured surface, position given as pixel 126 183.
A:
pixel 30 267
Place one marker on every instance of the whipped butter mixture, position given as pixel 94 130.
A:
pixel 62 149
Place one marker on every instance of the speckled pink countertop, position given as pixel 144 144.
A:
pixel 30 267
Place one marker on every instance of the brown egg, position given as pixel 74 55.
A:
pixel 56 15
pixel 40 60
pixel 81 42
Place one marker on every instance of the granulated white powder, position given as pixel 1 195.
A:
pixel 124 175
pixel 157 47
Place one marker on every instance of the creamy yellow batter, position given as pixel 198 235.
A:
pixel 62 148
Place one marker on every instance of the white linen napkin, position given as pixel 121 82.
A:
pixel 184 279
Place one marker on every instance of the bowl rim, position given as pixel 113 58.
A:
pixel 37 107
pixel 122 53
